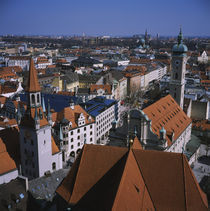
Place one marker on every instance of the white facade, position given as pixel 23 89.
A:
pixel 23 63
pixel 203 58
pixel 104 124
pixel 123 62
pixel 180 143
pixel 150 76
pixel 7 177
pixel 71 140
pixel 36 152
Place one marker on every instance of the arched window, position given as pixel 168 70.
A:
pixel 53 166
pixel 37 98
pixel 33 99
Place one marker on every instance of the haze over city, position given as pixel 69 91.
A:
pixel 96 18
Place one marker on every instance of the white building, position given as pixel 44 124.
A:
pixel 203 58
pixel 73 128
pixel 22 61
pixel 39 153
pixel 106 112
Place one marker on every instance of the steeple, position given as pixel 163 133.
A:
pixel 180 37
pixel 33 85
pixel 33 88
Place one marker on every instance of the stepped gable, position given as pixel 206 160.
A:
pixel 168 114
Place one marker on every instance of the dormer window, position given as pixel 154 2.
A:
pixel 70 124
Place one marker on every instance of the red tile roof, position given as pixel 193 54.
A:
pixel 168 114
pixel 7 164
pixel 72 115
pixel 106 88
pixel 33 85
pixel 54 146
pixel 115 178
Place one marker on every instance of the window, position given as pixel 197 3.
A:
pixel 84 128
pixel 33 165
pixel 78 130
pixel 72 132
pixel 91 126
pixel 44 142
pixel 78 137
pixel 53 166
pixel 91 139
pixel 33 99
pixel 32 154
pixel 176 75
pixel 72 139
pixel 37 98
pixel 78 144
pixel 91 133
pixel 32 142
pixel 72 146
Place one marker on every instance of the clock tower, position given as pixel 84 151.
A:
pixel 35 132
pixel 178 69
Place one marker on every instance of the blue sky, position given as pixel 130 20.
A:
pixel 110 17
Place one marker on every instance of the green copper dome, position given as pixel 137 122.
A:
pixel 179 47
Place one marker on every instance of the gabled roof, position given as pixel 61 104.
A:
pixel 72 115
pixel 114 178
pixel 168 114
pixel 95 88
pixel 33 85
pixel 29 121
pixel 9 149
pixel 7 164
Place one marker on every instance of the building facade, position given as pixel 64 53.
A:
pixel 39 153
pixel 178 63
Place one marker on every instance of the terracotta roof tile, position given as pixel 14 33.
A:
pixel 29 121
pixel 168 114
pixel 117 179
pixel 72 115
pixel 54 146
pixel 33 85
pixel 106 88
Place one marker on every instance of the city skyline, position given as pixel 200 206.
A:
pixel 93 18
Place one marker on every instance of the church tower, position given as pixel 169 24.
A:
pixel 35 132
pixel 178 69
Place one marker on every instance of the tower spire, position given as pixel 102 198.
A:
pixel 180 36
pixel 33 84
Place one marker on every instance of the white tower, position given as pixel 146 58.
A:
pixel 178 64
pixel 35 133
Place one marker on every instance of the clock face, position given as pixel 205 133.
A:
pixel 177 62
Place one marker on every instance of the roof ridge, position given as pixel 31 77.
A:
pixel 143 177
pixel 200 192
pixel 77 172
pixel 122 178
pixel 183 169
